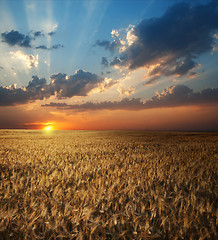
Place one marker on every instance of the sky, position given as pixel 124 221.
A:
pixel 109 64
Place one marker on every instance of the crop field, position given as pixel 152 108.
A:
pixel 108 185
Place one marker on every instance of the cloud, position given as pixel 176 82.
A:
pixel 29 60
pixel 35 90
pixel 57 105
pixel 182 95
pixel 38 34
pixel 51 33
pixel 152 80
pixel 104 85
pixel 124 91
pixel 43 47
pixel 13 38
pixel 120 41
pixel 171 42
pixel 116 61
pixel 36 83
pixel 41 34
pixel 61 86
pixel 104 61
pixel 125 104
pixel 79 84
pixel 115 33
pixel 54 27
pixel 10 95
pixel 174 96
pixel 111 46
pixel 56 46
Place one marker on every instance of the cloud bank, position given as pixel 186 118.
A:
pixel 174 96
pixel 61 86
pixel 167 45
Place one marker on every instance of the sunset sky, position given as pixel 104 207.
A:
pixel 109 64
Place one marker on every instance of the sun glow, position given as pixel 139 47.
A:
pixel 48 128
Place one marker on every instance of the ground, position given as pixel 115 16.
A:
pixel 108 185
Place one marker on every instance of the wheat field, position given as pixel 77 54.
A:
pixel 108 185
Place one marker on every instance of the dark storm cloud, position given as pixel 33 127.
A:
pixel 104 61
pixel 61 85
pixel 13 38
pixel 174 96
pixel 173 40
pixel 43 47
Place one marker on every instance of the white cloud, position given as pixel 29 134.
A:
pixel 54 27
pixel 131 37
pixel 28 60
pixel 125 37
pixel 105 85
pixel 124 91
pixel 115 33
pixel 215 45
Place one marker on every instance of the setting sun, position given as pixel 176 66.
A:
pixel 48 128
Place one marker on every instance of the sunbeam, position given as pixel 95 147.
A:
pixel 85 36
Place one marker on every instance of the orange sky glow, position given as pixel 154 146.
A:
pixel 178 118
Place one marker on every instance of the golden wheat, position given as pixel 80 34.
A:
pixel 108 185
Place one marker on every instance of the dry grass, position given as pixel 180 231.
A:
pixel 108 185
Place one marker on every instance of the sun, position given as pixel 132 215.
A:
pixel 48 128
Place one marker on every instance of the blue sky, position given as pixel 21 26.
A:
pixel 78 52
pixel 78 25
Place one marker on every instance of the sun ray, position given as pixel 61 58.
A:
pixel 91 8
